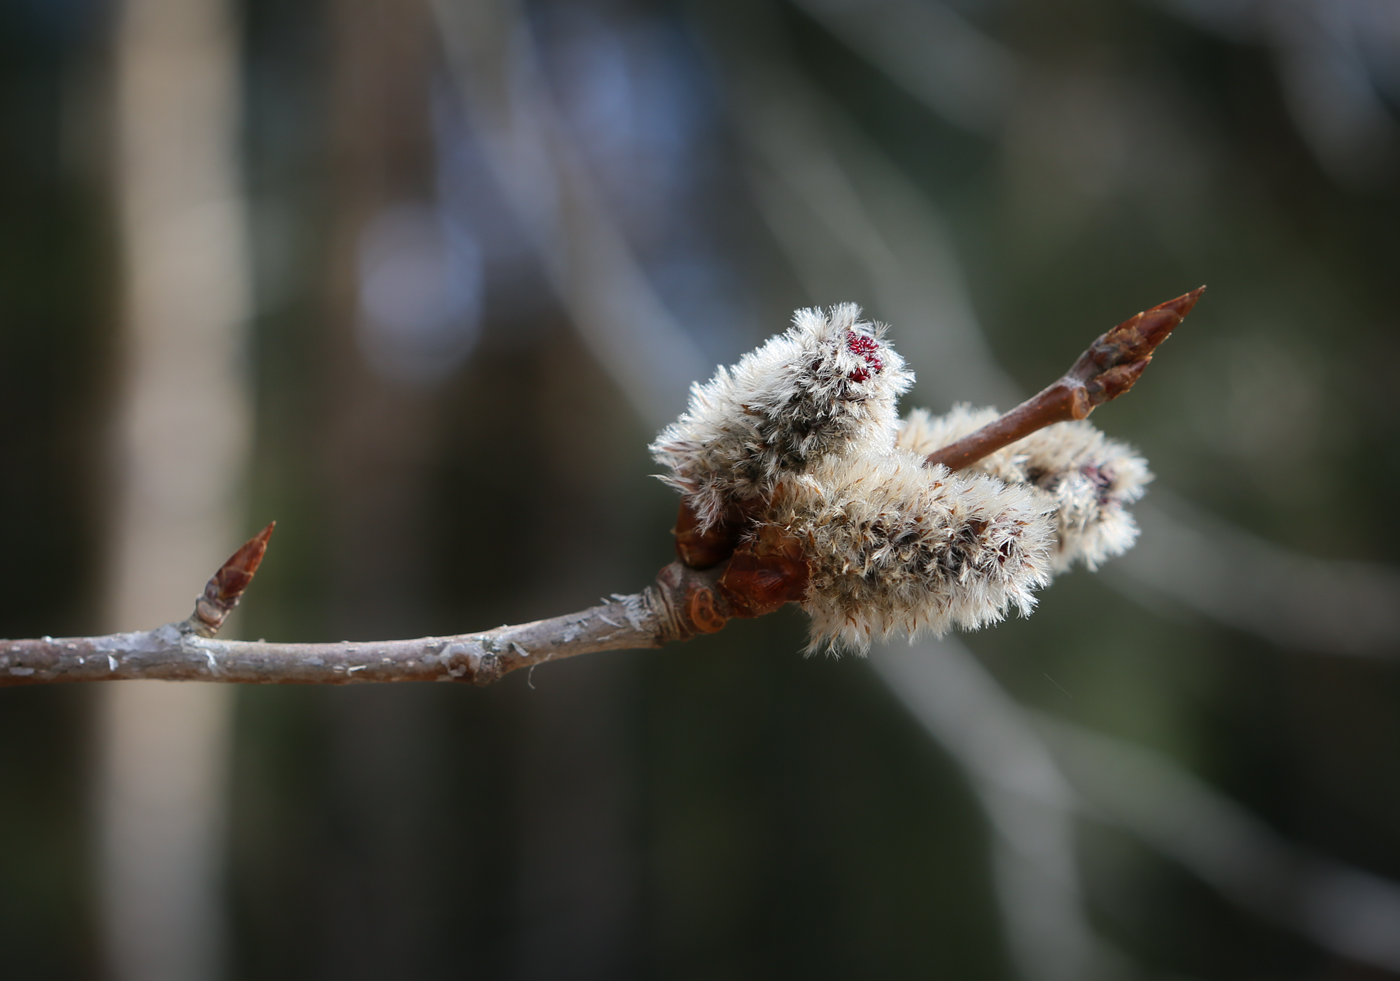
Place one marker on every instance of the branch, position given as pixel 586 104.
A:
pixel 739 568
pixel 1110 367
pixel 678 605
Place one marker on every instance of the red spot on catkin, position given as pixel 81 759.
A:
pixel 866 347
pixel 861 344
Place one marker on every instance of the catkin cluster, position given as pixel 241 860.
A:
pixel 803 433
pixel 1090 478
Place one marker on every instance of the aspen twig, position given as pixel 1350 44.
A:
pixel 764 572
pixel 1111 366
pixel 184 651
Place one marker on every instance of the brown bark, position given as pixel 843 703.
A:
pixel 656 616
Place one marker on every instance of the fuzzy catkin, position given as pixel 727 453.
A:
pixel 802 435
pixel 1090 478
pixel 825 387
pixel 895 546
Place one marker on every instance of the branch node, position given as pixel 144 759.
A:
pixel 486 669
pixel 703 614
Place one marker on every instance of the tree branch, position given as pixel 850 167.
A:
pixel 1110 367
pixel 680 604
pixel 746 571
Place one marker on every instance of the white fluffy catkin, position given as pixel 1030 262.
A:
pixel 895 546
pixel 1090 478
pixel 826 386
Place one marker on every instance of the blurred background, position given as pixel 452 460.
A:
pixel 421 280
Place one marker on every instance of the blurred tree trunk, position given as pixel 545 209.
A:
pixel 572 867
pixel 379 443
pixel 179 445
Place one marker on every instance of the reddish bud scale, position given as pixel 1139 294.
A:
pixel 703 549
pixel 767 570
pixel 222 592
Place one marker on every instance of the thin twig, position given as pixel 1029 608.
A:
pixel 1110 367
pixel 680 604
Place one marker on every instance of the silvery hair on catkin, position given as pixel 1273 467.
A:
pixel 830 383
pixel 1091 478
pixel 898 547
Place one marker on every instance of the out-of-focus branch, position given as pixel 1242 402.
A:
pixel 492 62
pixel 849 221
pixel 1110 367
pixel 1029 805
pixel 178 449
pixel 1035 773
pixel 932 52
pixel 1342 908
pixel 1191 562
